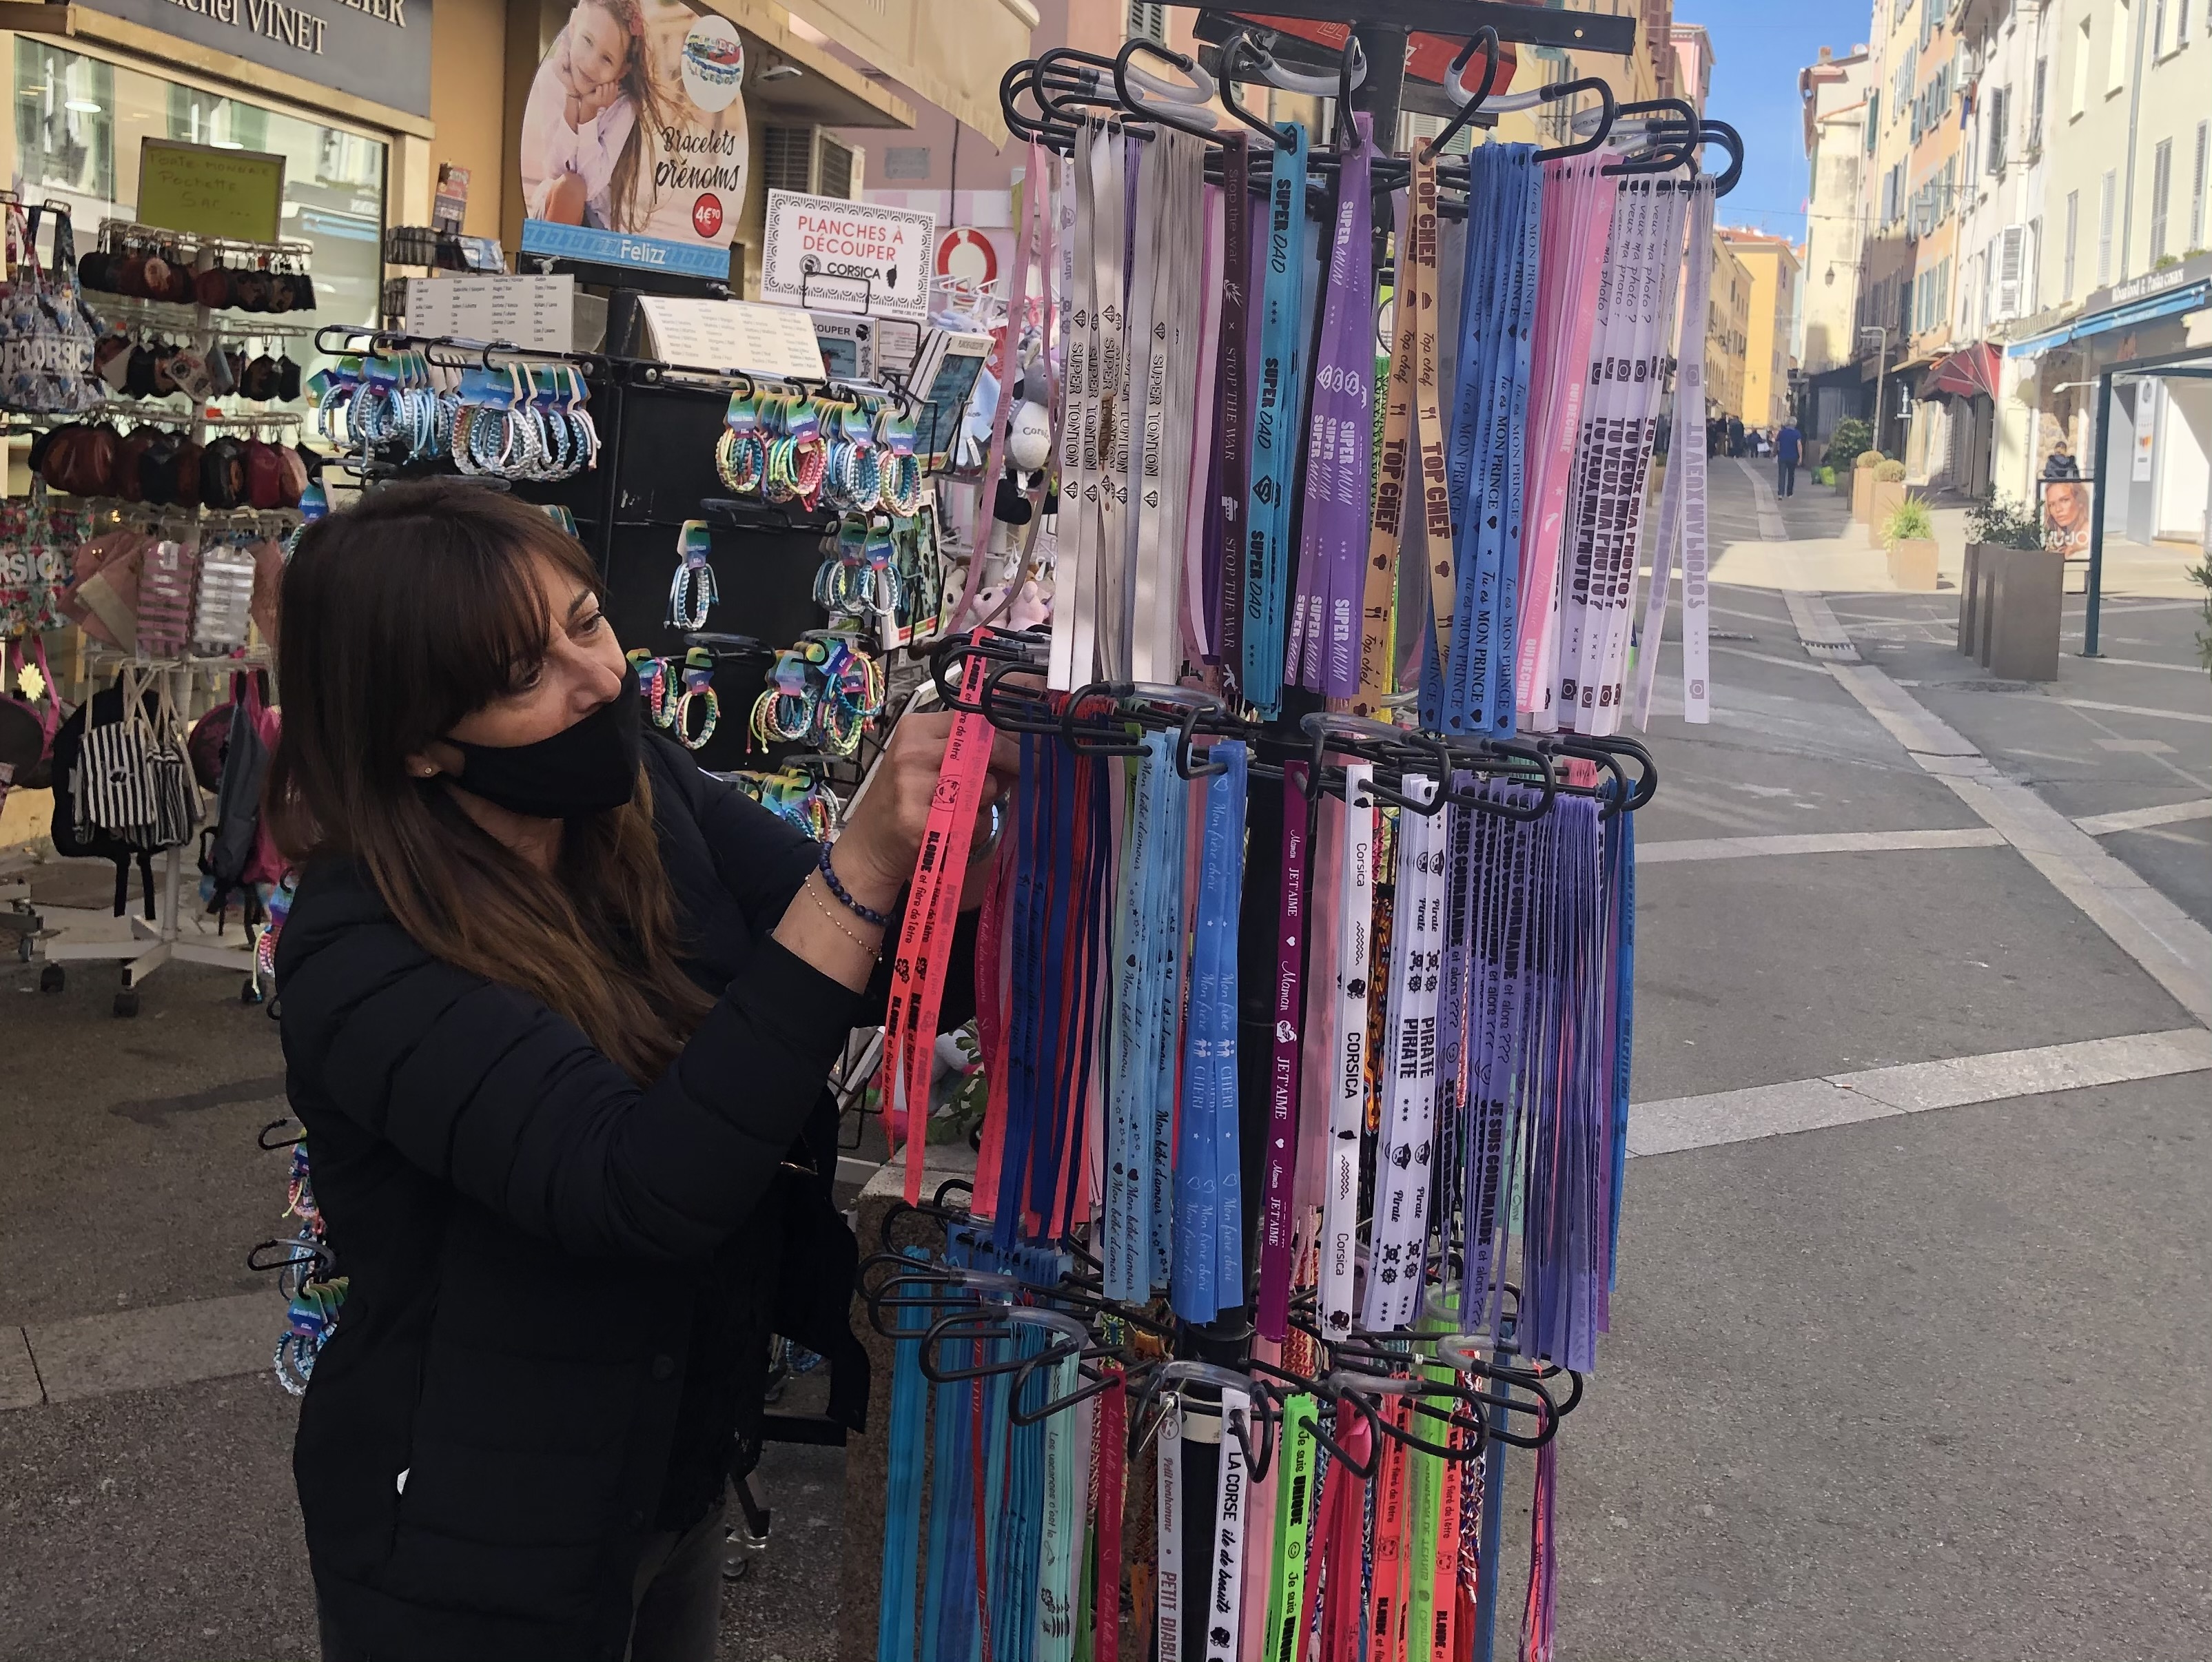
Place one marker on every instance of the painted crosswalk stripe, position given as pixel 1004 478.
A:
pixel 1683 1122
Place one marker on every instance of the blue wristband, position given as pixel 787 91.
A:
pixel 866 915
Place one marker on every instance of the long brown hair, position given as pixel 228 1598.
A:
pixel 399 617
pixel 624 212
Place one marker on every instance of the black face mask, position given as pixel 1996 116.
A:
pixel 586 767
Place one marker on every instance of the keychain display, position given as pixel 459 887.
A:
pixel 156 263
pixel 803 798
pixel 691 592
pixel 514 420
pixel 821 692
pixel 694 712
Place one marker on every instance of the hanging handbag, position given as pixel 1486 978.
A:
pixel 115 786
pixel 46 337
pixel 34 770
pixel 179 807
pixel 165 597
pixel 101 597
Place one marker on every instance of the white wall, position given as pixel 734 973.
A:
pixel 2183 467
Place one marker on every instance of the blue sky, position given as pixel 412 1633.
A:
pixel 1758 46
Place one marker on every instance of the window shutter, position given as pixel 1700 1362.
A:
pixel 2012 246
pixel 834 175
pixel 1148 21
pixel 786 155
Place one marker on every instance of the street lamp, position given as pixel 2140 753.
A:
pixel 1880 369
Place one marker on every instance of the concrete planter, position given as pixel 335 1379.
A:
pixel 1861 490
pixel 1912 564
pixel 1884 498
pixel 1977 574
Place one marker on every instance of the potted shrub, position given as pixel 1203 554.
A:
pixel 1885 493
pixel 1909 533
pixel 1863 467
pixel 1851 438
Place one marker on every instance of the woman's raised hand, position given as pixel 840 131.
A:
pixel 876 850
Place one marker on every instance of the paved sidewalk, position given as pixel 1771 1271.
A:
pixel 1911 1338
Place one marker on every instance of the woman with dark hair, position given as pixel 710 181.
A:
pixel 558 1010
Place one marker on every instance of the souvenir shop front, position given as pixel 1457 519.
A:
pixel 1238 1289
pixel 328 114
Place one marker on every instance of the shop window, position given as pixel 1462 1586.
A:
pixel 78 123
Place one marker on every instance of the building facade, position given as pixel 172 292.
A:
pixel 1834 94
pixel 1728 333
pixel 1774 269
pixel 2124 274
pixel 2033 200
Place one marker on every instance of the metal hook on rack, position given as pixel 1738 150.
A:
pixel 1233 53
pixel 1486 39
pixel 1257 1459
pixel 1198 124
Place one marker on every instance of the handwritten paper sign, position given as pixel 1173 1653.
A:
pixel 211 192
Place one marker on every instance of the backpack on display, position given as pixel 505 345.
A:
pixel 75 837
pixel 237 852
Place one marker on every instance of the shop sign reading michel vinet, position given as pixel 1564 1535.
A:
pixel 379 50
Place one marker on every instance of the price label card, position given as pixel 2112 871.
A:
pixel 532 312
pixel 767 340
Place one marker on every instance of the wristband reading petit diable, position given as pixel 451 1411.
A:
pixel 866 915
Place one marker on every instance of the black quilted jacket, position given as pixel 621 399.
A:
pixel 546 1260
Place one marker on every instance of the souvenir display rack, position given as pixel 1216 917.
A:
pixel 1211 798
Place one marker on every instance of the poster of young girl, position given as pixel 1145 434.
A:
pixel 634 141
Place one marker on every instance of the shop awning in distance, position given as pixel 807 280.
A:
pixel 2189 297
pixel 1963 373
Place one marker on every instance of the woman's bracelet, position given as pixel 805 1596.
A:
pixel 865 914
pixel 873 949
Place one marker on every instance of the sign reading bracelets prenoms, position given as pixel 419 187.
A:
pixel 379 50
pixel 634 145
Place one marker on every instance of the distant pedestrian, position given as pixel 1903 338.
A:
pixel 1789 445
pixel 1735 435
pixel 2060 463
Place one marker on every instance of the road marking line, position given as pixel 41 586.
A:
pixel 2121 709
pixel 1833 842
pixel 1765 658
pixel 2172 948
pixel 1771 526
pixel 2140 819
pixel 19 1374
pixel 2145 664
pixel 1819 633
pixel 160 1344
pixel 1683 1122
